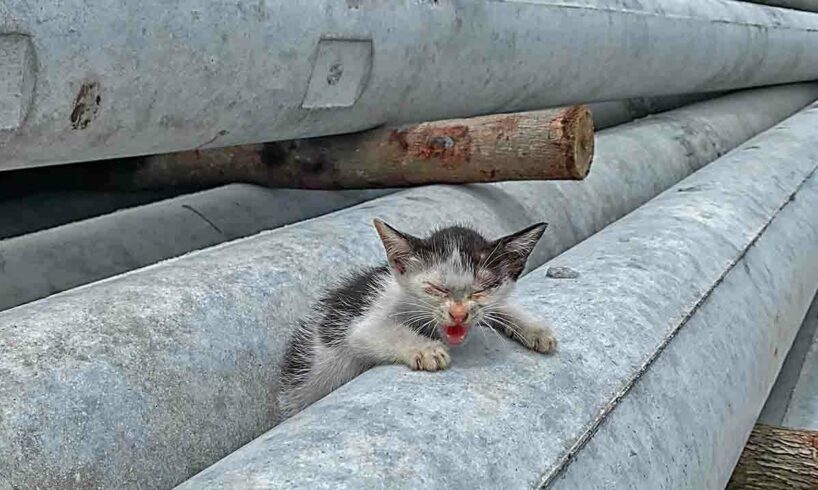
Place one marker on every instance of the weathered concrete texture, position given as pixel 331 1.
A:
pixel 153 77
pixel 17 78
pixel 47 262
pixel 41 210
pixel 806 5
pixel 778 402
pixel 802 404
pixel 670 339
pixel 608 114
pixel 146 378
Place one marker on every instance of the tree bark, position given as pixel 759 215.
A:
pixel 777 458
pixel 553 144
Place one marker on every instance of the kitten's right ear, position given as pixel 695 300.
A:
pixel 398 245
pixel 517 247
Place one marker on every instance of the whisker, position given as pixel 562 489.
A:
pixel 512 329
pixel 482 330
pixel 426 325
pixel 421 305
pixel 408 311
pixel 494 332
pixel 486 323
pixel 416 318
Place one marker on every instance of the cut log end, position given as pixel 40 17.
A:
pixel 581 123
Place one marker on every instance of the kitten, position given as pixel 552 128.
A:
pixel 428 298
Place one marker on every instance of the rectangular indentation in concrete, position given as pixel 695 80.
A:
pixel 17 78
pixel 340 73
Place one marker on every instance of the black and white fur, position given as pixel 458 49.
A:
pixel 397 313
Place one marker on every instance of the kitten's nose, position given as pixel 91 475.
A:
pixel 459 312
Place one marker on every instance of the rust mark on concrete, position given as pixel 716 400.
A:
pixel 86 105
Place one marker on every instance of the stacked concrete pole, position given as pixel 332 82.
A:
pixel 39 264
pixel 793 400
pixel 608 114
pixel 149 377
pixel 98 79
pixel 672 333
pixel 40 210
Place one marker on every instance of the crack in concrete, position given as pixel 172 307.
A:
pixel 197 213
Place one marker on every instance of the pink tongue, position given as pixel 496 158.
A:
pixel 455 334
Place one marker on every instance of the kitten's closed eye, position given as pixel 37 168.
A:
pixel 436 289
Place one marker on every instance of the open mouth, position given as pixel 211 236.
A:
pixel 455 334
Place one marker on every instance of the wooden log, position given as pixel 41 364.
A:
pixel 777 458
pixel 553 144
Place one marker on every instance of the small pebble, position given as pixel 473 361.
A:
pixel 559 272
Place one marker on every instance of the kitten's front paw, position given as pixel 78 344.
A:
pixel 429 358
pixel 540 340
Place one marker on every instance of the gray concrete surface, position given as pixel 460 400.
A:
pixel 155 76
pixel 778 402
pixel 671 337
pixel 608 114
pixel 39 210
pixel 57 259
pixel 797 389
pixel 146 378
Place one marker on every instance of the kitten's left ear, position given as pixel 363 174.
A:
pixel 518 246
pixel 399 249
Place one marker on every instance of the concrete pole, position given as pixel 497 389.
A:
pixel 801 408
pixel 671 335
pixel 93 79
pixel 149 377
pixel 786 406
pixel 58 259
pixel 40 210
pixel 613 113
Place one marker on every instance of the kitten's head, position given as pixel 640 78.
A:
pixel 455 279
